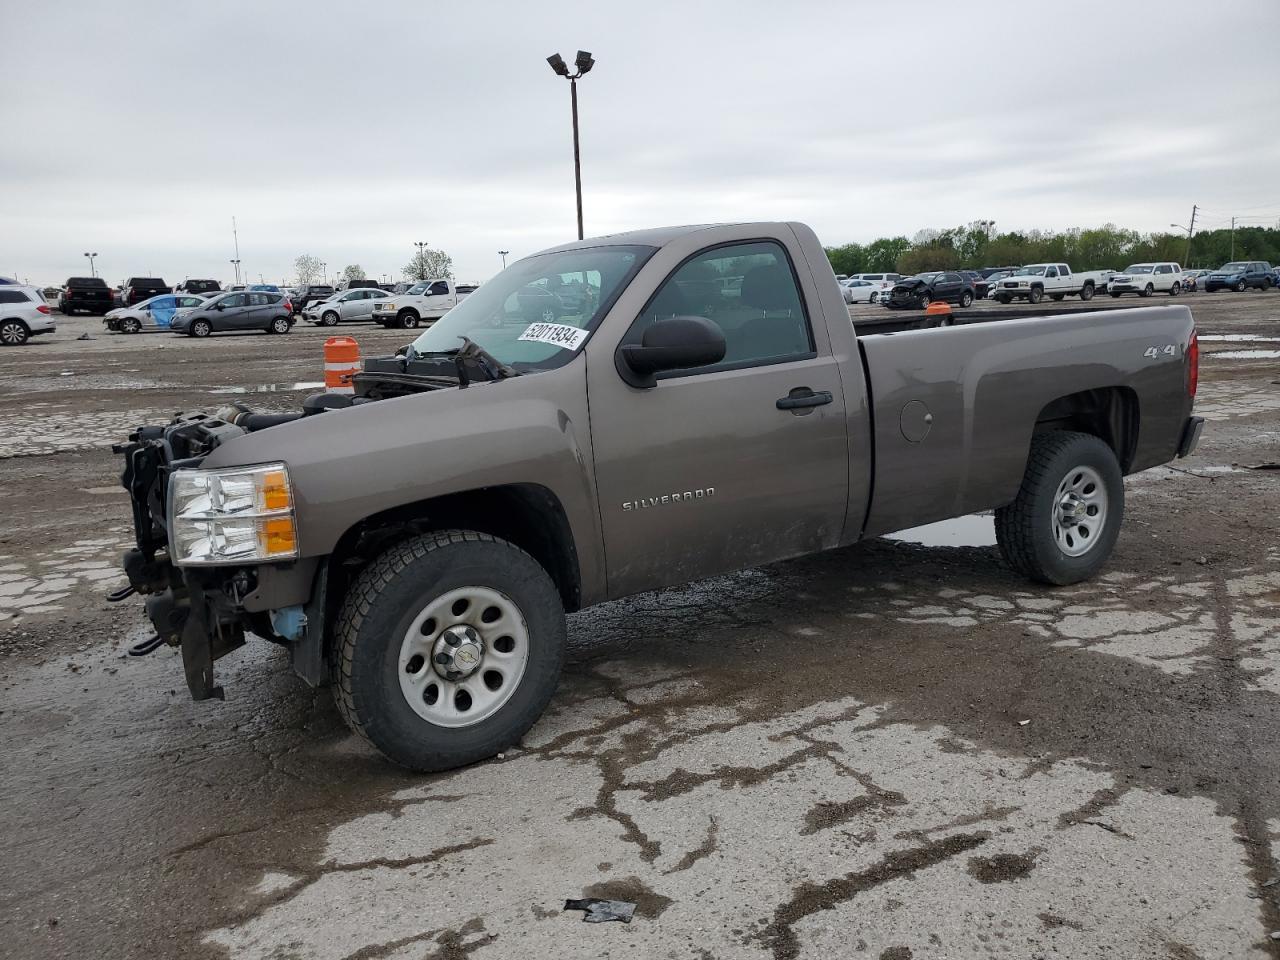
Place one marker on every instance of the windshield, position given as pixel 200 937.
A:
pixel 1140 268
pixel 1234 268
pixel 526 316
pixel 1034 270
pixel 927 277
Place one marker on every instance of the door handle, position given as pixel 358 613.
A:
pixel 801 397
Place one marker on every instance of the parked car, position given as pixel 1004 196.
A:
pixel 202 287
pixel 860 291
pixel 1193 280
pixel 137 289
pixel 424 303
pixel 363 282
pixel 993 281
pixel 1035 281
pixel 90 294
pixel 1144 279
pixel 419 544
pixel 924 288
pixel 154 314
pixel 349 305
pixel 884 282
pixel 981 285
pixel 1240 275
pixel 235 310
pixel 264 287
pixel 24 313
pixel 309 294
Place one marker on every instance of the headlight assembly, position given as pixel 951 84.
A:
pixel 229 516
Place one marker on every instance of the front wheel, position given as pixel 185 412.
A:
pixel 408 320
pixel 1064 522
pixel 201 328
pixel 1240 287
pixel 966 299
pixel 1175 290
pixel 1148 290
pixel 14 333
pixel 448 648
pixel 1036 294
pixel 130 325
pixel 330 319
pixel 926 298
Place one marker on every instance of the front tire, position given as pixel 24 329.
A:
pixel 1240 287
pixel 926 298
pixel 1064 522
pixel 130 325
pixel 201 328
pixel 13 333
pixel 1036 294
pixel 408 320
pixel 1147 291
pixel 966 299
pixel 1175 290
pixel 401 682
pixel 330 319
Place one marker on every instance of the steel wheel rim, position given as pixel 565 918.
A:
pixel 486 622
pixel 1079 511
pixel 11 333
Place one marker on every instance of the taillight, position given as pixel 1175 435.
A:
pixel 43 308
pixel 1193 364
pixel 288 305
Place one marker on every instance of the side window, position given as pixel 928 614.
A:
pixel 258 300
pixel 235 300
pixel 1051 272
pixel 761 315
pixel 438 289
pixel 12 296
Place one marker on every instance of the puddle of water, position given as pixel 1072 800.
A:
pixel 1244 354
pixel 273 387
pixel 1237 338
pixel 977 530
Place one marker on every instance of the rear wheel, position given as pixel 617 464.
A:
pixel 1064 522
pixel 330 319
pixel 1036 294
pixel 279 325
pixel 966 299
pixel 13 333
pixel 449 647
pixel 1086 292
pixel 200 328
pixel 130 325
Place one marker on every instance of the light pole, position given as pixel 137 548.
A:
pixel 92 271
pixel 324 268
pixel 422 266
pixel 1186 261
pixel 584 62
pixel 503 255
pixel 236 264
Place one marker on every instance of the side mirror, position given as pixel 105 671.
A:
pixel 676 343
pixel 219 306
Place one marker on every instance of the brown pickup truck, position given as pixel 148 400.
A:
pixel 708 407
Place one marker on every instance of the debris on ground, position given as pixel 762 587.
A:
pixel 1262 466
pixel 602 911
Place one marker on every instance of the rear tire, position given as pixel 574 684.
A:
pixel 13 333
pixel 1086 293
pixel 386 681
pixel 279 325
pixel 1064 522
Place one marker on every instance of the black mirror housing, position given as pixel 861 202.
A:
pixel 675 343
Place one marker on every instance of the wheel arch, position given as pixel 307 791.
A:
pixel 1112 414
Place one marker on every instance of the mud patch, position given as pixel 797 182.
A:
pixel 828 814
pixel 1003 867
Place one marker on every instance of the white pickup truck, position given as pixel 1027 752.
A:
pixel 423 303
pixel 1036 281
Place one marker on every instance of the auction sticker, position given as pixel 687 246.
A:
pixel 557 334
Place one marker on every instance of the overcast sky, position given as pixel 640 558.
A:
pixel 349 131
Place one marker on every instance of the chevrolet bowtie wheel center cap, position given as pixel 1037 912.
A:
pixel 458 652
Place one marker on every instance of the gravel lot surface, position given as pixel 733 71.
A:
pixel 894 750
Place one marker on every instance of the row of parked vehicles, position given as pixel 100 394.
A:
pixel 1056 281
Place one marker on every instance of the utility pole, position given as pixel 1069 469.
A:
pixel 1233 239
pixel 1187 259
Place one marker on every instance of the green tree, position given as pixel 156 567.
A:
pixel 848 259
pixel 934 256
pixel 883 254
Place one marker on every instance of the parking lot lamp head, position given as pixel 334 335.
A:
pixel 584 62
pixel 558 64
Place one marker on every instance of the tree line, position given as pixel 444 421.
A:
pixel 1096 248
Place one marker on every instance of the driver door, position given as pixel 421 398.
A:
pixel 235 313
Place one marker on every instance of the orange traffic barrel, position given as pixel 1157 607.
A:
pixel 939 313
pixel 341 360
